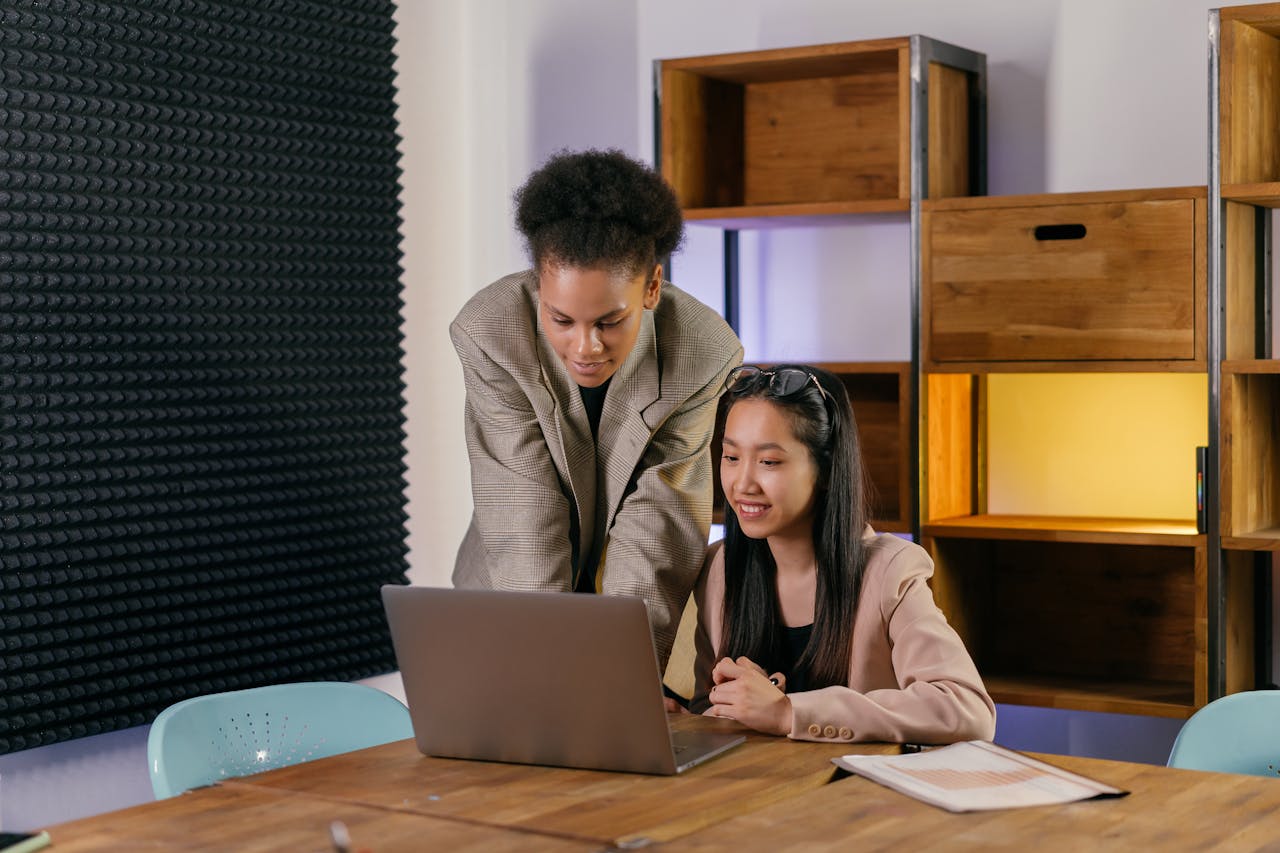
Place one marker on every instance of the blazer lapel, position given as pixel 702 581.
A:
pixel 623 433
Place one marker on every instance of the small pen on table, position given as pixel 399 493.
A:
pixel 341 838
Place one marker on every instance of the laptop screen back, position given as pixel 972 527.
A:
pixel 535 678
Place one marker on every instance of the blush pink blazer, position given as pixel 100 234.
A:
pixel 910 677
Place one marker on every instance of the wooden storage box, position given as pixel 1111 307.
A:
pixel 806 130
pixel 1110 280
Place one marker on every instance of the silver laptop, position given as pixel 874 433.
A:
pixel 538 678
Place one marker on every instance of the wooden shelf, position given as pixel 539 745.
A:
pixel 762 216
pixel 1251 367
pixel 1266 539
pixel 1261 194
pixel 1041 528
pixel 1191 365
pixel 1152 698
pixel 807 132
pixel 995 202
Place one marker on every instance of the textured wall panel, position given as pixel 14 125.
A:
pixel 200 386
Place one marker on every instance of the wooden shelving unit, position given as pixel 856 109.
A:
pixel 1130 615
pixel 796 136
pixel 1244 188
pixel 1085 613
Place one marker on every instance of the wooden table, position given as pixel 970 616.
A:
pixel 249 819
pixel 767 794
pixel 608 808
pixel 1165 810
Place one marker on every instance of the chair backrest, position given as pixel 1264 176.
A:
pixel 1239 733
pixel 208 738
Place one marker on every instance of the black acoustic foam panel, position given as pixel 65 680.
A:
pixel 201 462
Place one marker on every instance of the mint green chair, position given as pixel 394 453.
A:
pixel 209 738
pixel 1239 733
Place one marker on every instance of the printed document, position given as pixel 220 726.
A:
pixel 976 775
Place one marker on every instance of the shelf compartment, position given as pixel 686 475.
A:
pixel 1259 194
pixel 763 216
pixel 1102 454
pixel 1249 99
pixel 1084 626
pixel 1250 459
pixel 880 393
pixel 1151 698
pixel 1263 539
pixel 807 131
pixel 1114 531
pixel 1114 279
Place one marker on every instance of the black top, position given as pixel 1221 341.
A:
pixel 593 399
pixel 794 642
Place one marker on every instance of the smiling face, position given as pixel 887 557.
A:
pixel 768 475
pixel 592 317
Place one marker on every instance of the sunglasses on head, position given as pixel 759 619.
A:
pixel 783 381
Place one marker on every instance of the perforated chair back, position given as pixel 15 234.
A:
pixel 1239 733
pixel 207 738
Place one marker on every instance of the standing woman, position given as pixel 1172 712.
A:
pixel 592 387
pixel 810 624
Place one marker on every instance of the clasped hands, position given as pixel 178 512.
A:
pixel 742 691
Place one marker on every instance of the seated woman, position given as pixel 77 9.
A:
pixel 810 624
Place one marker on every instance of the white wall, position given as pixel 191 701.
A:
pixel 488 90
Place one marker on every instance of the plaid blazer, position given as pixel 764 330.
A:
pixel 548 499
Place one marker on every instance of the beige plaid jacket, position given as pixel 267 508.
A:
pixel 548 498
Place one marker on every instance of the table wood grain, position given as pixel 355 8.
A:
pixel 1166 810
pixel 605 807
pixel 253 819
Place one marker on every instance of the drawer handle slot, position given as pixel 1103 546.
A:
pixel 1061 232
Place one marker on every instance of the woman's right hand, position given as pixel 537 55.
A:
pixel 720 673
pixel 744 693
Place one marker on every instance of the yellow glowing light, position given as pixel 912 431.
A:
pixel 1108 445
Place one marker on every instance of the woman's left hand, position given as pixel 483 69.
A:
pixel 742 692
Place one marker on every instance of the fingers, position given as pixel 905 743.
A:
pixel 748 664
pixel 728 668
pixel 717 711
pixel 725 670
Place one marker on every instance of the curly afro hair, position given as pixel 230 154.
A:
pixel 598 209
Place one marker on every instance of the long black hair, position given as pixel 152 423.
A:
pixel 824 424
pixel 598 209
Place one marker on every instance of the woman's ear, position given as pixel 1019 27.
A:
pixel 653 289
